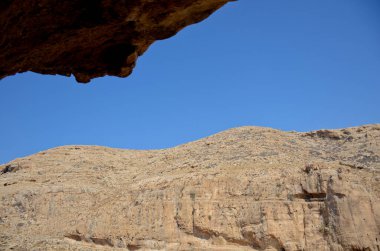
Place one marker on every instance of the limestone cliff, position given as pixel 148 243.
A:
pixel 248 188
pixel 89 38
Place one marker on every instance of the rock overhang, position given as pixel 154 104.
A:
pixel 89 38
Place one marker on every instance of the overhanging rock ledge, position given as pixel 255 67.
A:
pixel 89 38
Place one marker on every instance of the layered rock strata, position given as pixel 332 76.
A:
pixel 248 188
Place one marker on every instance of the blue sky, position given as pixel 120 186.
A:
pixel 291 65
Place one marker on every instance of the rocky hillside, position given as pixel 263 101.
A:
pixel 89 38
pixel 247 188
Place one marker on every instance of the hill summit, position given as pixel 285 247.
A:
pixel 247 188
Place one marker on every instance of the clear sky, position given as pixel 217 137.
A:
pixel 291 65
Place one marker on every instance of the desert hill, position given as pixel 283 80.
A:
pixel 247 188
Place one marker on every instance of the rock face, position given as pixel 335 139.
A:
pixel 248 188
pixel 89 38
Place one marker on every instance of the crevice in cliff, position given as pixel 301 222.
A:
pixel 10 168
pixel 132 247
pixel 74 237
pixel 202 234
pixel 102 241
pixel 351 165
pixel 93 240
pixel 310 197
pixel 208 234
pixel 274 243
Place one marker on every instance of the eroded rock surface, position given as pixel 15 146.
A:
pixel 89 38
pixel 248 188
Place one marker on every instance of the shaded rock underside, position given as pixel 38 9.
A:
pixel 89 38
pixel 247 188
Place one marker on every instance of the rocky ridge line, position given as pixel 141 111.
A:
pixel 248 188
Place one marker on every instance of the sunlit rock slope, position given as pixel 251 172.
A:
pixel 247 188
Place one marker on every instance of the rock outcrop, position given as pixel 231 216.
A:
pixel 248 188
pixel 89 38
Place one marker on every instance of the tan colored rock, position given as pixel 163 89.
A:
pixel 89 38
pixel 248 188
